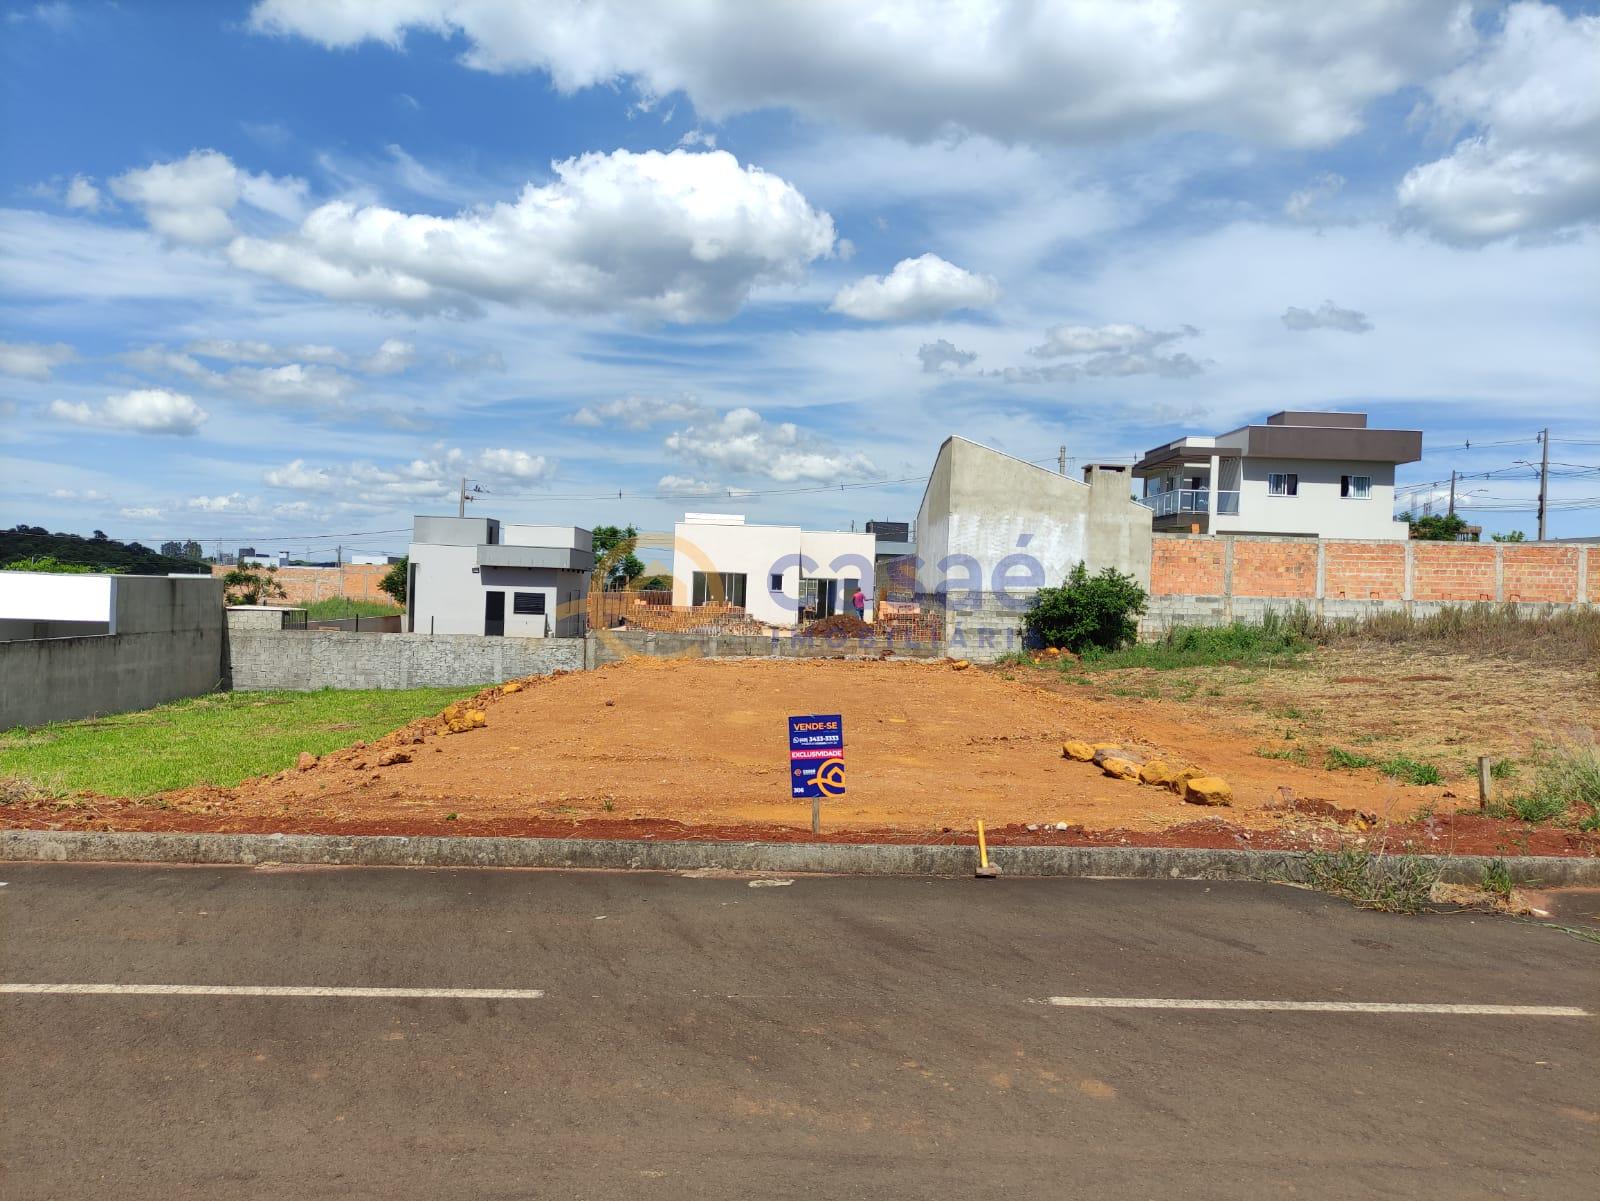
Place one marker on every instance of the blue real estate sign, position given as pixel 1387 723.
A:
pixel 816 755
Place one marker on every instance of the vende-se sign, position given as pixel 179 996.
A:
pixel 816 755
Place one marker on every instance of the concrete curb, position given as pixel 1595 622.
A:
pixel 874 859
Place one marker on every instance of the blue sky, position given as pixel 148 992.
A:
pixel 282 273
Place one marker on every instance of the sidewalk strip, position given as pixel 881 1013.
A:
pixel 1527 1011
pixel 266 990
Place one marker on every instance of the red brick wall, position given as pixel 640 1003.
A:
pixel 303 584
pixel 1543 573
pixel 1364 570
pixel 1441 571
pixel 1186 567
pixel 1452 571
pixel 1275 568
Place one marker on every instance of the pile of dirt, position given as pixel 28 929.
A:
pixel 840 625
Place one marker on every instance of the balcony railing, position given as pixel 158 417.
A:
pixel 1191 500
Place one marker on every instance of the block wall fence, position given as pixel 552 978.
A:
pixel 1223 577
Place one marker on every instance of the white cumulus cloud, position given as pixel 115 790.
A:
pixel 1292 73
pixel 640 412
pixel 83 195
pixel 944 355
pixel 391 358
pixel 678 236
pixel 742 441
pixel 191 200
pixel 142 411
pixel 1530 164
pixel 916 290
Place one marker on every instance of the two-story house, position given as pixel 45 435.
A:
pixel 1313 474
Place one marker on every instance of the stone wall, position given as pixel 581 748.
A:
pixel 305 660
pixel 608 646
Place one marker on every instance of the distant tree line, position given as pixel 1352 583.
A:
pixel 95 553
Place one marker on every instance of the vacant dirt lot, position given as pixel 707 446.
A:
pixel 697 748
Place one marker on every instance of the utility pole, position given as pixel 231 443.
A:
pixel 1544 476
pixel 1452 492
pixel 461 505
pixel 1061 460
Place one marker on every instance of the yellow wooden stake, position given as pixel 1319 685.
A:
pixel 983 847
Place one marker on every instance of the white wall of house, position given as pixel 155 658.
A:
pixel 767 555
pixel 448 594
pixel 1318 508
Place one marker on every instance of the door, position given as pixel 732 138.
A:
pixel 494 612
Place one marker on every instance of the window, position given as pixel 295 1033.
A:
pixel 528 604
pixel 1280 483
pixel 1355 487
pixel 775 582
pixel 719 588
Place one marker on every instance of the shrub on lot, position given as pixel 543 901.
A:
pixel 1099 612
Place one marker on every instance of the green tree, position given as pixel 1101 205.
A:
pixel 1100 611
pixel 54 566
pixel 394 581
pixel 615 564
pixel 252 586
pixel 1432 527
pixel 1513 536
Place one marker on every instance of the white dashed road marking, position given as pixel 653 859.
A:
pixel 1527 1011
pixel 266 990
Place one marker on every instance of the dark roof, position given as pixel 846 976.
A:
pixel 1341 437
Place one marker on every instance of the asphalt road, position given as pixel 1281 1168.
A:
pixel 835 1038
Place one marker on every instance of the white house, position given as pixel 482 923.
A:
pixel 1315 474
pixel 779 574
pixel 473 575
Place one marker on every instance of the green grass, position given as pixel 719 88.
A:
pixel 219 739
pixel 1275 640
pixel 1291 754
pixel 1566 787
pixel 1374 880
pixel 1399 767
pixel 335 607
pixel 1340 759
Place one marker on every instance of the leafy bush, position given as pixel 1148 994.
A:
pixel 1435 528
pixel 394 581
pixel 1098 612
pixel 248 586
pixel 53 565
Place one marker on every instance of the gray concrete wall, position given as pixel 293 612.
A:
pixel 170 644
pixel 991 522
pixel 261 617
pixel 608 646
pixel 306 660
